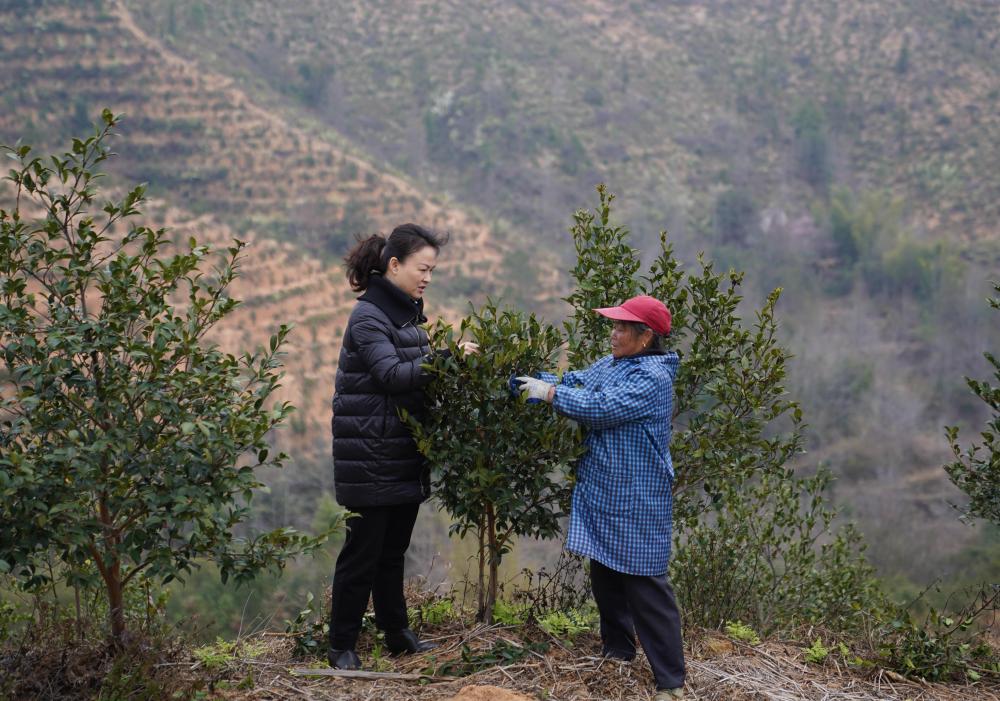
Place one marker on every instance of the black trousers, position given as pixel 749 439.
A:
pixel 631 604
pixel 371 564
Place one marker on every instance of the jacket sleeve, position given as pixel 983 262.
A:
pixel 374 344
pixel 570 378
pixel 612 406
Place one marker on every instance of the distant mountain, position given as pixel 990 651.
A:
pixel 520 107
pixel 221 166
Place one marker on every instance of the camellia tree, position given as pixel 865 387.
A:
pixel 976 470
pixel 754 540
pixel 501 466
pixel 128 442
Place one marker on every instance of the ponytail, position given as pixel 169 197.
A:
pixel 371 255
pixel 363 260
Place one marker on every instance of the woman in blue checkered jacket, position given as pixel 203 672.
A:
pixel 622 513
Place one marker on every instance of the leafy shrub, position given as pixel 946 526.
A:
pixel 310 635
pixel 130 443
pixel 754 540
pixel 976 469
pixel 501 467
pixel 941 647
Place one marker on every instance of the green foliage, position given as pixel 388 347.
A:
pixel 869 241
pixel 510 614
pixel 216 655
pixel 941 647
pixel 737 630
pixel 753 540
pixel 130 443
pixel 604 274
pixel 310 635
pixel 976 469
pixel 502 653
pixel 812 147
pixel 735 216
pixel 817 652
pixel 438 611
pixel 501 469
pixel 566 625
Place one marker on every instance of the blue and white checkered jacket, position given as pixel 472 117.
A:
pixel 622 513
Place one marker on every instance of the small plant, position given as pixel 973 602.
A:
pixel 566 625
pixel 817 652
pixel 510 614
pixel 501 467
pixel 216 655
pixel 501 654
pixel 744 633
pixel 308 634
pixel 436 612
pixel 976 469
pixel 379 661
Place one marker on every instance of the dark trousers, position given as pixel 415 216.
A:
pixel 371 563
pixel 631 604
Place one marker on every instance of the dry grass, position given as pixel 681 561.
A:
pixel 717 669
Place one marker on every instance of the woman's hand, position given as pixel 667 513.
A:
pixel 533 388
pixel 469 347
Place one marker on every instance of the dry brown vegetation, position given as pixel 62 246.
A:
pixel 719 669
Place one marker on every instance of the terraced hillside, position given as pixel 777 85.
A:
pixel 521 106
pixel 200 141
pixel 221 166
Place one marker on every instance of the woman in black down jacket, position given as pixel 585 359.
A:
pixel 378 472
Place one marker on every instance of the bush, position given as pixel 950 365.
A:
pixel 130 443
pixel 976 469
pixel 501 469
pixel 754 541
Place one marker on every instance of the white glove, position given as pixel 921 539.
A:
pixel 533 388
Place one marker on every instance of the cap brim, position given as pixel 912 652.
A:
pixel 618 313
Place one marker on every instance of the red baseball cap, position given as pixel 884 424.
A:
pixel 644 309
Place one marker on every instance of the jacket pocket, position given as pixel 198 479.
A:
pixel 606 486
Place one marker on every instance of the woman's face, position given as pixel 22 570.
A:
pixel 413 274
pixel 626 341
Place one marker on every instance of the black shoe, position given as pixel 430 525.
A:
pixel 402 642
pixel 620 655
pixel 343 659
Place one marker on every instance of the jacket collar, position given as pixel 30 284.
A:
pixel 397 305
pixel 642 354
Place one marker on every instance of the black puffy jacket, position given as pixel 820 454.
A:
pixel 376 462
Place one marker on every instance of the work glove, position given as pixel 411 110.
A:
pixel 533 389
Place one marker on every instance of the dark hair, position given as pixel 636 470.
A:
pixel 371 255
pixel 638 328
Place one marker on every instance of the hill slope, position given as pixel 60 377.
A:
pixel 221 166
pixel 521 107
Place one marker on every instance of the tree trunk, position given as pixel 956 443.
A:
pixel 494 555
pixel 116 603
pixel 481 591
pixel 111 572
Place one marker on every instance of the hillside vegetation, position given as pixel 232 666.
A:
pixel 520 107
pixel 840 150
pixel 224 167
